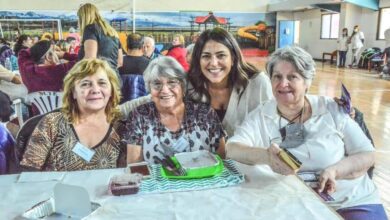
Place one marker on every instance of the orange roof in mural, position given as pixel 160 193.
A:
pixel 210 18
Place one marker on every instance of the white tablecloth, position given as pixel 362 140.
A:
pixel 264 195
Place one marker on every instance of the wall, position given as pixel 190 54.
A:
pixel 310 32
pixel 350 15
pixel 384 3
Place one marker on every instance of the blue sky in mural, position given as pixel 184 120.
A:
pixel 148 19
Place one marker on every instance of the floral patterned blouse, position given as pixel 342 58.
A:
pixel 52 141
pixel 200 130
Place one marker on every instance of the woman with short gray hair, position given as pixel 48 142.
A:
pixel 171 120
pixel 321 137
pixel 164 67
pixel 302 61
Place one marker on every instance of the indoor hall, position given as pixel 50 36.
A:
pixel 259 27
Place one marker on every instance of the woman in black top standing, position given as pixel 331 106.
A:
pixel 99 38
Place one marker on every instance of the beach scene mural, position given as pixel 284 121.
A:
pixel 252 30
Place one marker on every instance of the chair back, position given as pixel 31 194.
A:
pixel 17 105
pixel 22 139
pixel 133 87
pixel 45 101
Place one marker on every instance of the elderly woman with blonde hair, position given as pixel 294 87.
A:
pixel 178 51
pixel 99 39
pixel 86 133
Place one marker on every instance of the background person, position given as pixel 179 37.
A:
pixel 90 103
pixel 343 47
pixel 11 84
pixel 149 48
pixel 357 43
pixel 325 139
pixel 178 51
pixel 220 76
pixel 170 118
pixel 24 42
pixel 99 38
pixel 41 69
pixel 134 62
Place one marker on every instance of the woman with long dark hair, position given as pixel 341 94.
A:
pixel 220 76
pixel 24 41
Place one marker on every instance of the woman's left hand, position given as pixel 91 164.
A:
pixel 327 181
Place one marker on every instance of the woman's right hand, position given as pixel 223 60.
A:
pixel 276 164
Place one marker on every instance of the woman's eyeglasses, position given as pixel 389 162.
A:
pixel 172 84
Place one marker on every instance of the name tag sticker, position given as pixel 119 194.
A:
pixel 181 145
pixel 83 151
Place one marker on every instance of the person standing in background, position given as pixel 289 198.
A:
pixel 178 51
pixel 99 40
pixel 343 47
pixel 357 43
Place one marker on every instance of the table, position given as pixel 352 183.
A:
pixel 264 195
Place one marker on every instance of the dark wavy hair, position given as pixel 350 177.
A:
pixel 240 72
pixel 19 43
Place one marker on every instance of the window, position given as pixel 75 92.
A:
pixel 330 26
pixel 384 24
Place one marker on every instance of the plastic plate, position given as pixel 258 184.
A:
pixel 195 173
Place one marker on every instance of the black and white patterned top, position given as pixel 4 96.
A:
pixel 200 128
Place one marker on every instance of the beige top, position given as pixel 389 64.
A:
pixel 244 101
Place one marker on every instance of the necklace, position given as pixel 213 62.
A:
pixel 298 115
pixel 293 133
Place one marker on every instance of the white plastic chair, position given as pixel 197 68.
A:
pixel 17 105
pixel 45 101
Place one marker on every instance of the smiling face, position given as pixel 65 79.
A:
pixel 216 62
pixel 93 92
pixel 288 86
pixel 166 93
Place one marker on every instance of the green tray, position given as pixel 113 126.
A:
pixel 195 173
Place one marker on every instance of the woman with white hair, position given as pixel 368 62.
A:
pixel 316 130
pixel 171 119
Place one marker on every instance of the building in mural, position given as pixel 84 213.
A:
pixel 210 21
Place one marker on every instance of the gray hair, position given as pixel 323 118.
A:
pixel 165 66
pixel 190 48
pixel 149 39
pixel 302 61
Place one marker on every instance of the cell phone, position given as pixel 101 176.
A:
pixel 308 176
pixel 325 196
pixel 346 98
pixel 142 168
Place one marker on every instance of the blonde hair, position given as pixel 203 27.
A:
pixel 89 14
pixel 80 70
pixel 181 38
